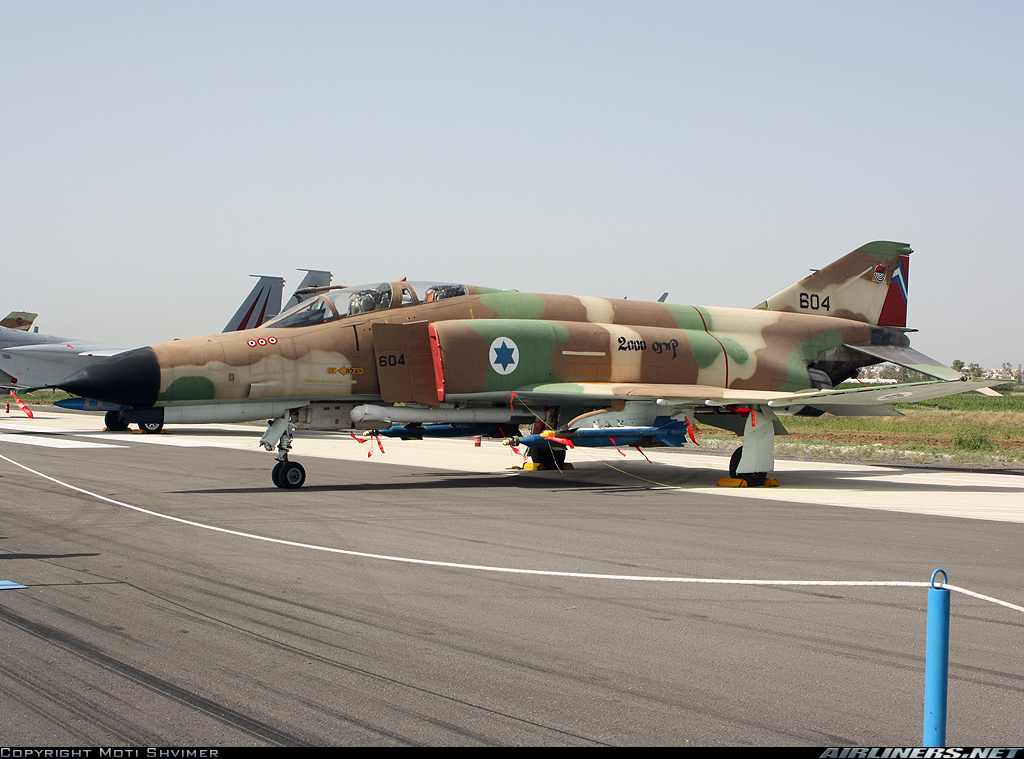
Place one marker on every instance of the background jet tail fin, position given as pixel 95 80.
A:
pixel 18 320
pixel 314 278
pixel 868 285
pixel 262 303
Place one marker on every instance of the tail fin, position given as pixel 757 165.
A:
pixel 313 278
pixel 262 303
pixel 868 285
pixel 18 320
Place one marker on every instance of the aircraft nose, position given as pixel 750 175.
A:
pixel 130 379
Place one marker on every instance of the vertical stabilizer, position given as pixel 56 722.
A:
pixel 314 278
pixel 262 303
pixel 21 320
pixel 868 285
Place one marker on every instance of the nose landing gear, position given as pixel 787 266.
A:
pixel 286 474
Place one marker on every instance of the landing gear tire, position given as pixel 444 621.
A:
pixel 151 428
pixel 548 457
pixel 113 421
pixel 753 479
pixel 288 475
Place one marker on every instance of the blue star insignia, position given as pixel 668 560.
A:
pixel 503 356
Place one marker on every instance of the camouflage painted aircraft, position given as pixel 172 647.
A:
pixel 593 371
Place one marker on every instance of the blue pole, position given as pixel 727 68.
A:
pixel 936 664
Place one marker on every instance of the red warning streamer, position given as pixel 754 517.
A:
pixel 21 405
pixel 747 412
pixel 372 439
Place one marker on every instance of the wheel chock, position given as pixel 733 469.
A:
pixel 532 466
pixel 736 482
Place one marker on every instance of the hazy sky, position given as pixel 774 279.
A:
pixel 155 154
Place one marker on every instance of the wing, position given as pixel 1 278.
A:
pixel 868 400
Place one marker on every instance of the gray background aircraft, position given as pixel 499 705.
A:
pixel 35 359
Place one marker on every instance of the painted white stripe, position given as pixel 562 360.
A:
pixel 49 438
pixel 48 441
pixel 37 429
pixel 150 439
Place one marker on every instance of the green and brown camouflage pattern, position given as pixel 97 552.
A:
pixel 775 347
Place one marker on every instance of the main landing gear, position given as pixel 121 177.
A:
pixel 548 457
pixel 115 422
pixel 751 463
pixel 286 474
pixel 753 479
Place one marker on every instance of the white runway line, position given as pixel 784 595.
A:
pixel 46 441
pixel 515 570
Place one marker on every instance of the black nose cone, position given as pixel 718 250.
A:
pixel 130 379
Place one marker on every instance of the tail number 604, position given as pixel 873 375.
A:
pixel 813 302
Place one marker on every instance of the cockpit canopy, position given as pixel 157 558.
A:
pixel 338 302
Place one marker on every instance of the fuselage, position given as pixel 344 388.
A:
pixel 483 342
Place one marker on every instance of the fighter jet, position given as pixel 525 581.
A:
pixel 16 344
pixel 582 368
pixel 40 360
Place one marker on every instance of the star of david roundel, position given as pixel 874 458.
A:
pixel 504 355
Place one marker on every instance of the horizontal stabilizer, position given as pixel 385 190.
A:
pixel 909 359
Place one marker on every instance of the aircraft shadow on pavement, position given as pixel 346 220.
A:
pixel 439 481
pixel 48 556
pixel 624 477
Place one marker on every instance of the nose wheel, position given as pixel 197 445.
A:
pixel 288 475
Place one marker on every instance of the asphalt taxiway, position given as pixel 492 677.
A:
pixel 431 594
